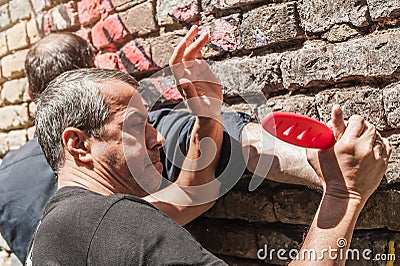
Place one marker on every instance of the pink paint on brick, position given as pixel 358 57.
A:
pixel 186 13
pixel 48 23
pixel 107 60
pixel 84 33
pixel 223 34
pixel 89 11
pixel 136 57
pixel 169 92
pixel 106 33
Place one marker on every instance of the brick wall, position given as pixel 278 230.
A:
pixel 303 56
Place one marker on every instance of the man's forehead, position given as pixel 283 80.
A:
pixel 119 94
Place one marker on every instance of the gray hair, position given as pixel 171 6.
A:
pixel 73 99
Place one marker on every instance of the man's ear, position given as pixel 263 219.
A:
pixel 77 144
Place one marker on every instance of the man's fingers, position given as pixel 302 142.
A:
pixel 179 50
pixel 188 88
pixel 192 33
pixel 355 126
pixel 195 47
pixel 338 124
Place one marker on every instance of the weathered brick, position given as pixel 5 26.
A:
pixel 3 144
pixel 383 9
pixel 14 91
pixel 19 9
pixel 176 10
pixel 224 33
pixel 210 6
pixel 163 46
pixel 46 22
pixel 5 19
pixel 89 11
pixel 139 20
pixel 135 56
pixel 17 36
pixel 392 174
pixel 32 109
pixel 365 101
pixel 320 64
pixel 278 238
pixel 65 16
pixel 159 88
pixel 32 31
pixel 12 117
pixel 38 5
pixel 107 60
pixel 108 32
pixel 296 206
pixel 3 44
pixel 84 33
pixel 320 15
pixel 269 25
pixel 391 95
pixel 340 33
pixel 237 239
pixel 15 64
pixel 254 207
pixel 299 104
pixel 381 211
pixel 121 5
pixel 16 139
pixel 30 132
pixel 249 76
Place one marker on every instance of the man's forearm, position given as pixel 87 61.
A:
pixel 330 233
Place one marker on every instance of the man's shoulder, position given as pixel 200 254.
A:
pixel 29 150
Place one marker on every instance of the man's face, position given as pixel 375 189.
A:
pixel 129 150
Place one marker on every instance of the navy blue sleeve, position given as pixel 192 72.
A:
pixel 27 182
pixel 176 127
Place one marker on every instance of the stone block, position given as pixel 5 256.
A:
pixel 320 15
pixel 296 206
pixel 392 174
pixel 340 33
pixel 140 19
pixel 226 238
pixel 249 76
pixel 162 47
pixel 3 145
pixel 32 109
pixel 383 9
pixel 391 104
pixel 121 5
pixel 299 104
pixel 46 22
pixel 365 101
pixel 17 36
pixel 269 25
pixel 381 211
pixel 256 206
pixel 224 33
pixel 65 16
pixel 16 139
pixel 5 19
pixel 320 64
pixel 14 91
pixel 176 10
pixel 3 44
pixel 212 6
pixel 13 117
pixel 19 9
pixel 14 64
pixel 108 32
pixel 89 11
pixel 33 31
pixel 30 133
pixel 38 5
pixel 135 56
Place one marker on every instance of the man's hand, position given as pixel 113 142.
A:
pixel 356 164
pixel 196 82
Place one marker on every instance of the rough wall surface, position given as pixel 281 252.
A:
pixel 303 56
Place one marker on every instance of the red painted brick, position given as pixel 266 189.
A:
pixel 89 11
pixel 107 60
pixel 135 58
pixel 84 33
pixel 48 23
pixel 108 32
pixel 186 13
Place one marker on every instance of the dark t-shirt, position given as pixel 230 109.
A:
pixel 81 227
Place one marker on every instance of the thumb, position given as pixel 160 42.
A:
pixel 338 124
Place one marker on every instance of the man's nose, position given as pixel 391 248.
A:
pixel 154 139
